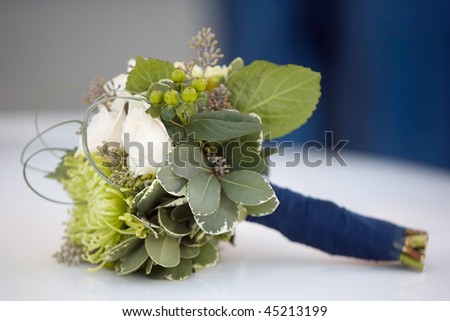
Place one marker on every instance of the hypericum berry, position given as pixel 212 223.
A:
pixel 199 84
pixel 171 97
pixel 156 97
pixel 189 95
pixel 178 75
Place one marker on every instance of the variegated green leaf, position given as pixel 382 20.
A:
pixel 209 256
pixel 188 161
pixel 151 197
pixel 172 183
pixel 133 261
pixel 121 249
pixel 189 252
pixel 171 227
pixel 221 221
pixel 263 209
pixel 164 250
pixel 246 187
pixel 136 200
pixel 180 272
pixel 203 193
pixel 158 272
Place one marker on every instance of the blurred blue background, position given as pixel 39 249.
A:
pixel 385 68
pixel 385 64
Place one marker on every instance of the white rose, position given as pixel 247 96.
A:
pixel 143 134
pixel 105 126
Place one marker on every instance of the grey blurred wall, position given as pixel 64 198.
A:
pixel 49 50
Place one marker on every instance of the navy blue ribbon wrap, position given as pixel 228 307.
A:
pixel 333 229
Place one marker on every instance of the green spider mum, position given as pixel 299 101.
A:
pixel 99 219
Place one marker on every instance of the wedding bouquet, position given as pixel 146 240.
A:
pixel 171 159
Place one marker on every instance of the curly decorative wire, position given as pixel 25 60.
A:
pixel 84 136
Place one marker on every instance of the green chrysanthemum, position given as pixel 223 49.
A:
pixel 98 220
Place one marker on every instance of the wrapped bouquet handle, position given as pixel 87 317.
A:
pixel 336 230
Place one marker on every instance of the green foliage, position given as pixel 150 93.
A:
pixel 132 261
pixel 146 72
pixel 203 193
pixel 223 220
pixel 246 187
pixel 171 183
pixel 163 250
pixel 220 126
pixel 283 96
pixel 263 209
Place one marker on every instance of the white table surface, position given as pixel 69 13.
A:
pixel 262 266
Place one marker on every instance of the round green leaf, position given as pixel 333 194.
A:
pixel 122 249
pixel 188 161
pixel 203 194
pixel 246 187
pixel 221 221
pixel 209 256
pixel 284 96
pixel 263 209
pixel 151 197
pixel 164 250
pixel 172 228
pixel 172 183
pixel 133 261
pixel 180 272
pixel 189 252
pixel 146 72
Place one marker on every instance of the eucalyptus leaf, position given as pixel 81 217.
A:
pixel 283 96
pixel 164 250
pixel 209 256
pixel 221 221
pixel 171 227
pixel 222 126
pixel 146 72
pixel 122 249
pixel 189 252
pixel 246 187
pixel 172 183
pixel 133 261
pixel 188 161
pixel 180 272
pixel 151 197
pixel 263 209
pixel 203 194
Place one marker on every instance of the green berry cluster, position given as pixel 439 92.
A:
pixel 177 97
